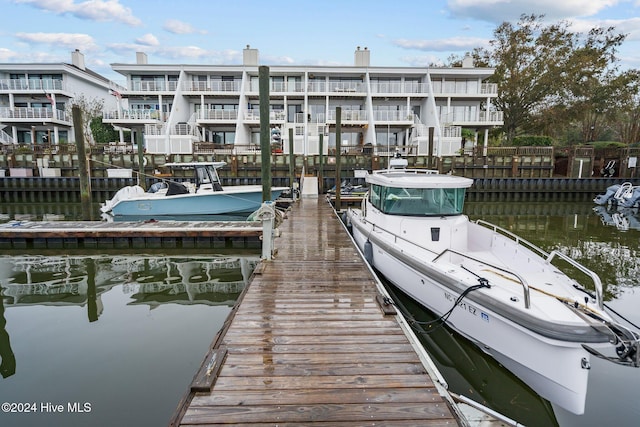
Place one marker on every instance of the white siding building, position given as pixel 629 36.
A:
pixel 176 107
pixel 35 99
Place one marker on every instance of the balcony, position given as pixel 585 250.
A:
pixel 357 117
pixel 398 88
pixel 154 86
pixel 30 85
pixel 253 116
pixel 463 89
pixel 30 115
pixel 494 118
pixel 393 116
pixel 133 116
pixel 225 87
pixel 216 116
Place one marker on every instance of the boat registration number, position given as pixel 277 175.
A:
pixel 469 308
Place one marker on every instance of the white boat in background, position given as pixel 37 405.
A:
pixel 496 289
pixel 198 194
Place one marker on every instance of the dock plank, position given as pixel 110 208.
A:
pixel 309 343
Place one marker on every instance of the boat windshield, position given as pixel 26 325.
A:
pixel 206 174
pixel 417 201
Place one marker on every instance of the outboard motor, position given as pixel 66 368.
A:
pixel 630 198
pixel 609 170
pixel 603 199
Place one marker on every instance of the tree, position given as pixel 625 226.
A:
pixel 548 68
pixel 90 108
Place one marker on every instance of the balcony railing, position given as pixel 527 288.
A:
pixel 349 115
pixel 33 113
pixel 393 116
pixel 170 86
pixel 133 114
pixel 398 87
pixel 217 114
pixel 212 86
pixel 451 88
pixel 254 115
pixel 15 85
pixel 468 117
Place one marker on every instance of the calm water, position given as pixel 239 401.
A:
pixel 115 340
pixel 91 330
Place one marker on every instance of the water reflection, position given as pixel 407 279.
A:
pixel 63 281
pixel 151 280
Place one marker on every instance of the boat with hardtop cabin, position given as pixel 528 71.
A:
pixel 503 293
pixel 197 192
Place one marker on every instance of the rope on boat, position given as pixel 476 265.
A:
pixel 482 283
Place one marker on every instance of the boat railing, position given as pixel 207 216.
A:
pixel 523 282
pixel 549 257
pixel 596 279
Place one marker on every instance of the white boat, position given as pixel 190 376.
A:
pixel 498 290
pixel 198 194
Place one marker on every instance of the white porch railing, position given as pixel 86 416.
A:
pixel 348 115
pixel 30 84
pixel 33 113
pixel 217 114
pixel 133 114
pixel 212 86
pixel 155 86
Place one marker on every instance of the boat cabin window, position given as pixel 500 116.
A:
pixel 417 201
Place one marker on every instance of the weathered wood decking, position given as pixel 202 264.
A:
pixel 309 345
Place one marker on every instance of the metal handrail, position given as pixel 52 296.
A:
pixel 519 240
pixel 596 279
pixel 549 257
pixel 523 282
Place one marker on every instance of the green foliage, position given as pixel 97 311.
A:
pixel 533 141
pixel 607 144
pixel 550 78
pixel 103 133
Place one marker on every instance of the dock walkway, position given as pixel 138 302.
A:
pixel 308 343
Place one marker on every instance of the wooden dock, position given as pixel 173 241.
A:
pixel 309 343
pixel 128 235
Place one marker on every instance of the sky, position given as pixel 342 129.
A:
pixel 285 32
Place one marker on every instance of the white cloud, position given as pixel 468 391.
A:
pixel 498 11
pixel 148 40
pixel 7 55
pixel 178 27
pixel 95 10
pixel 443 45
pixel 75 41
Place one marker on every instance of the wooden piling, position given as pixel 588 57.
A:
pixel 265 131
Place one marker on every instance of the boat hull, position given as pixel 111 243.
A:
pixel 555 369
pixel 211 203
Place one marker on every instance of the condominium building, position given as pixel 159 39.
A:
pixel 176 109
pixel 35 99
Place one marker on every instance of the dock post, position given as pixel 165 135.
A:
pixel 142 180
pixel 321 166
pixel 292 175
pixel 265 132
pixel 267 215
pixel 338 154
pixel 85 180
